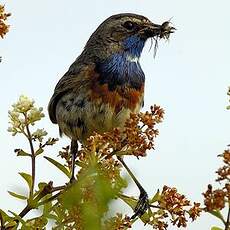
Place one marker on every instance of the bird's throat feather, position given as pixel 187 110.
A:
pixel 123 68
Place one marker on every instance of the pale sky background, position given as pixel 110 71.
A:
pixel 188 78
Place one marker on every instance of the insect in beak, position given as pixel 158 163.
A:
pixel 157 32
pixel 162 31
pixel 166 29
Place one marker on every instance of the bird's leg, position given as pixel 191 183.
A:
pixel 73 152
pixel 143 202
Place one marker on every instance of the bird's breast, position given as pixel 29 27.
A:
pixel 119 98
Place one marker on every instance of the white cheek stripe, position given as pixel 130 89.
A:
pixel 132 58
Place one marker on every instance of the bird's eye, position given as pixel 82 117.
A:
pixel 129 25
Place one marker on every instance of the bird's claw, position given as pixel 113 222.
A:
pixel 142 204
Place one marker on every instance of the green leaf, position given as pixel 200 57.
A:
pixel 156 197
pixel 12 224
pixel 217 214
pixel 21 197
pixel 27 178
pixel 3 216
pixel 41 185
pixel 51 141
pixel 216 228
pixel 145 217
pixel 17 217
pixel 38 222
pixel 52 216
pixel 21 153
pixel 39 151
pixel 47 206
pixel 59 166
pixel 132 202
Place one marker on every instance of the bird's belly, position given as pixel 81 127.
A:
pixel 81 120
pixel 106 119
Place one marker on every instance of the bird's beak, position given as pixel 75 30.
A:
pixel 163 30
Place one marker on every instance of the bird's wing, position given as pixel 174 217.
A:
pixel 70 82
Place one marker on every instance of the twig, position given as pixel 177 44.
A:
pixel 49 199
pixel 25 211
pixel 48 189
pixel 29 137
pixel 54 189
pixel 156 206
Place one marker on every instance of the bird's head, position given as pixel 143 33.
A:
pixel 125 33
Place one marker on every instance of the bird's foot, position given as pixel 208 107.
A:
pixel 142 204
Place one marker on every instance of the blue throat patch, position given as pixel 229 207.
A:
pixel 134 45
pixel 123 68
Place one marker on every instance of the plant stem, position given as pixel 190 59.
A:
pixel 49 199
pixel 29 137
pixel 58 188
pixel 25 211
pixel 28 207
pixel 156 206
pixel 48 189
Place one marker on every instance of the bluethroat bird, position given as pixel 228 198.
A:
pixel 105 83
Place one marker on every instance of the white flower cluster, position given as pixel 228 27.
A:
pixel 24 113
pixel 39 134
pixel 23 105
